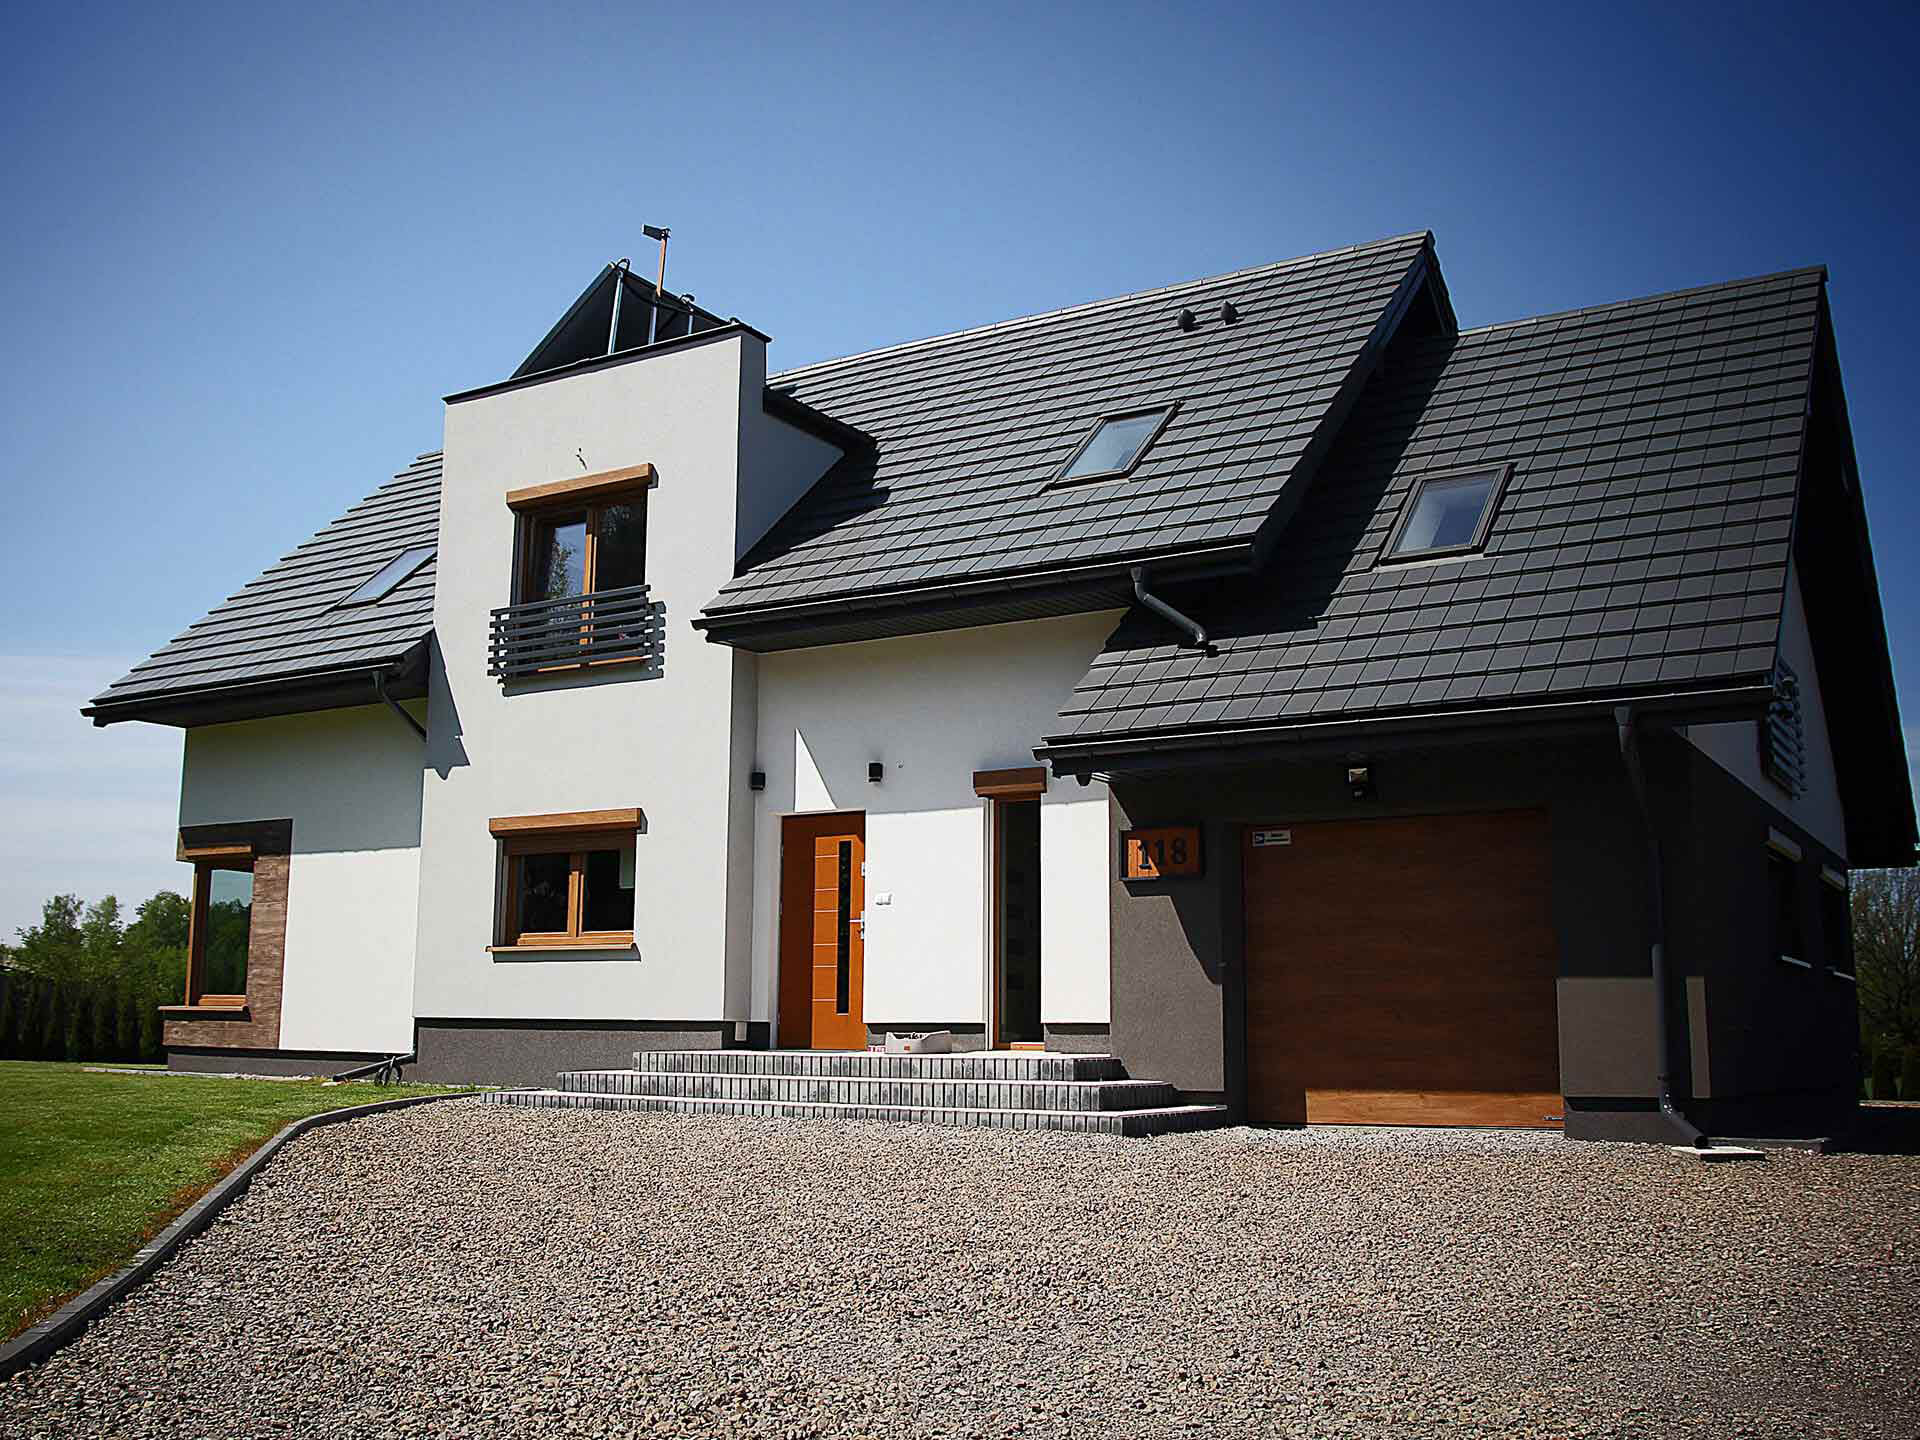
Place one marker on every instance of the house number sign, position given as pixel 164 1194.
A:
pixel 1160 853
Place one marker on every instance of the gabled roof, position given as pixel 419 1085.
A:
pixel 1640 549
pixel 284 644
pixel 968 431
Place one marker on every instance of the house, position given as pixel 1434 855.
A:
pixel 1331 713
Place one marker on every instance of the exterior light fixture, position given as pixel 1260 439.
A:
pixel 874 771
pixel 1360 781
pixel 757 780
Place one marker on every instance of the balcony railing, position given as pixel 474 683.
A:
pixel 550 635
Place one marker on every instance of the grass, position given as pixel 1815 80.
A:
pixel 93 1166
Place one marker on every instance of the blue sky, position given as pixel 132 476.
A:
pixel 248 249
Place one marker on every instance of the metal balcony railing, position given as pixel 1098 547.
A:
pixel 544 635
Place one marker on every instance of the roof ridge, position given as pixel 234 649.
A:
pixel 1655 299
pixel 1086 305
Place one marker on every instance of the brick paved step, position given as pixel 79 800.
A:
pixel 913 1091
pixel 1161 1120
pixel 867 1064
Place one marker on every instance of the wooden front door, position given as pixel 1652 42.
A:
pixel 1401 972
pixel 822 931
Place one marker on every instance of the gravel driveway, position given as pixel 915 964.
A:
pixel 465 1271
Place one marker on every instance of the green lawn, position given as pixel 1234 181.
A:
pixel 92 1166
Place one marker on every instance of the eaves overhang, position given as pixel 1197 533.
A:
pixel 1144 752
pixel 404 677
pixel 995 599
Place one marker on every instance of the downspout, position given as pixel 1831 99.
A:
pixel 380 689
pixel 1164 610
pixel 1656 904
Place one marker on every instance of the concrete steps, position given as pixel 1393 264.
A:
pixel 1160 1121
pixel 913 1092
pixel 1020 1090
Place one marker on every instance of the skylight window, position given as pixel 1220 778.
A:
pixel 382 583
pixel 1447 514
pixel 1116 444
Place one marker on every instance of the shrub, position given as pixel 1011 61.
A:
pixel 1910 1074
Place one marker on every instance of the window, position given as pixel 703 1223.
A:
pixel 387 578
pixel 584 550
pixel 1446 514
pixel 568 886
pixel 1116 445
pixel 1782 892
pixel 220 933
pixel 1836 922
pixel 1783 735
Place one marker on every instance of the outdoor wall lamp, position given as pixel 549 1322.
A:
pixel 874 771
pixel 1360 781
pixel 756 780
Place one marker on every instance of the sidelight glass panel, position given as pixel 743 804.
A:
pixel 557 557
pixel 843 933
pixel 229 932
pixel 541 903
pixel 620 554
pixel 607 903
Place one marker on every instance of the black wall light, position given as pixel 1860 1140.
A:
pixel 874 771
pixel 1360 781
pixel 757 780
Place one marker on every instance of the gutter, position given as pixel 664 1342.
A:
pixel 1656 903
pixel 103 711
pixel 1067 755
pixel 1212 559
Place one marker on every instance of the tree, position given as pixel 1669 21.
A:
pixel 1886 957
pixel 55 949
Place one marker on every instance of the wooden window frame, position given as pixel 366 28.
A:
pixel 575 834
pixel 590 495
pixel 206 860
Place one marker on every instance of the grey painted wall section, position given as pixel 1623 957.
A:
pixel 1736 747
pixel 1752 1032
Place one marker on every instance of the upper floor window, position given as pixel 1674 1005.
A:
pixel 578 551
pixel 579 578
pixel 1115 445
pixel 1447 514
pixel 1783 733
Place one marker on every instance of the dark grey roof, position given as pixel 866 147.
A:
pixel 285 630
pixel 968 431
pixel 1641 546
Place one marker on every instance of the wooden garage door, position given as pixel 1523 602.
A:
pixel 1401 972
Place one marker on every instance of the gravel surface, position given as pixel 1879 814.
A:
pixel 474 1271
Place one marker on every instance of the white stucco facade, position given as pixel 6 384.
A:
pixel 1736 747
pixel 670 744
pixel 933 709
pixel 349 780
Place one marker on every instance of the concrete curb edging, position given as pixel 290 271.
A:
pixel 37 1342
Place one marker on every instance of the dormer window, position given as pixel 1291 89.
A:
pixel 384 581
pixel 1447 514
pixel 1115 445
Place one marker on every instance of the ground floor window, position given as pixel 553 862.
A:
pixel 568 886
pixel 221 932
pixel 1836 921
pixel 1783 893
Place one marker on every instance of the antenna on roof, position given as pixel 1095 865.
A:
pixel 660 233
pixel 619 284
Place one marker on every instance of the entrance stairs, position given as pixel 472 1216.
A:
pixel 1017 1090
